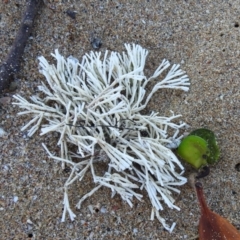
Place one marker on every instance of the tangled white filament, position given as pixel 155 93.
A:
pixel 95 105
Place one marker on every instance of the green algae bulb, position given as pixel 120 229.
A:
pixel 199 148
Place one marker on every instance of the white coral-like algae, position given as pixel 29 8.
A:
pixel 96 105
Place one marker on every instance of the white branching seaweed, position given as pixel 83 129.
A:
pixel 96 105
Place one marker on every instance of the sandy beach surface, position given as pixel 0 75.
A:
pixel 203 36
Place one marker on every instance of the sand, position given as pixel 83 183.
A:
pixel 203 36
